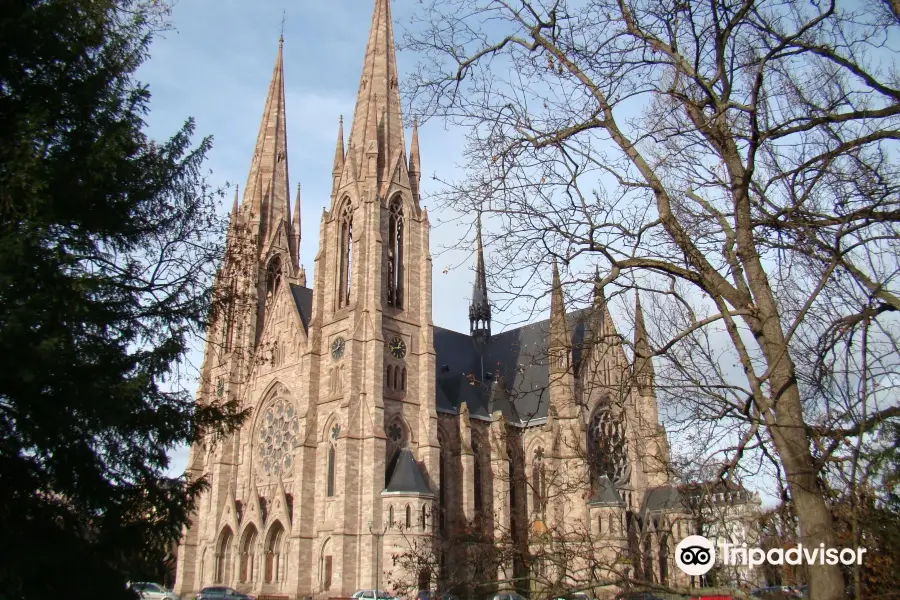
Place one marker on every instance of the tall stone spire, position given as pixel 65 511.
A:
pixel 269 167
pixel 479 308
pixel 378 98
pixel 643 361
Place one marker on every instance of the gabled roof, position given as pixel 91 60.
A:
pixel 517 356
pixel 605 494
pixel 407 477
pixel 665 497
pixel 303 300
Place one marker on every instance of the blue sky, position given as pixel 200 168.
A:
pixel 215 66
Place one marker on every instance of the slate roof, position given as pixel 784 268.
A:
pixel 518 356
pixel 407 477
pixel 665 497
pixel 303 300
pixel 605 494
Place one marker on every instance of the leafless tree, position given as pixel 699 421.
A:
pixel 735 161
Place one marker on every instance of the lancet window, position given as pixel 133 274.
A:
pixel 538 481
pixel 607 447
pixel 346 254
pixel 395 254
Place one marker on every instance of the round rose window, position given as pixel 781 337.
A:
pixel 278 436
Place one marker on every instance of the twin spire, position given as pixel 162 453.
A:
pixel 266 204
pixel 377 127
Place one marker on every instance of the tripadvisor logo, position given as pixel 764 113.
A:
pixel 695 555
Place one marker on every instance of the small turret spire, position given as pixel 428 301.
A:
pixel 643 353
pixel 234 205
pixel 295 230
pixel 338 167
pixel 479 308
pixel 559 340
pixel 414 164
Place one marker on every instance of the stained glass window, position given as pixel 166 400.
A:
pixel 278 436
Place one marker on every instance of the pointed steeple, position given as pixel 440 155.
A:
pixel 414 164
pixel 378 96
pixel 295 230
pixel 479 308
pixel 599 306
pixel 234 205
pixel 269 168
pixel 338 167
pixel 643 361
pixel 558 337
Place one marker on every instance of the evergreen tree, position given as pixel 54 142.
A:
pixel 107 246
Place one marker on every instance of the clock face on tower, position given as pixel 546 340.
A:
pixel 337 348
pixel 397 347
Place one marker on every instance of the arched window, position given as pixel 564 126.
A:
pixel 335 430
pixel 396 441
pixel 274 562
pixel 387 375
pixel 403 380
pixel 607 447
pixel 325 565
pixel 611 529
pixel 248 555
pixel 648 559
pixel 664 559
pixel 273 277
pixel 538 481
pixel 391 516
pixel 395 254
pixel 476 476
pixel 423 519
pixel 345 272
pixel 223 556
pixel 408 516
pixel 397 378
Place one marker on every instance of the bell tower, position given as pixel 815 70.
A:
pixel 372 331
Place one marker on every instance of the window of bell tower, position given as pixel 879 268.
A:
pixel 395 254
pixel 273 277
pixel 345 265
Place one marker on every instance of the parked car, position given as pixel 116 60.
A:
pixel 637 596
pixel 370 595
pixel 508 596
pixel 423 595
pixel 776 592
pixel 153 591
pixel 575 596
pixel 221 593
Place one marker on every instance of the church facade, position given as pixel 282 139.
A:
pixel 381 448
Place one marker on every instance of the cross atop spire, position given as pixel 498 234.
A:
pixel 269 168
pixel 378 98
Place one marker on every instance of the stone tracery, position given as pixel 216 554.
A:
pixel 607 447
pixel 277 437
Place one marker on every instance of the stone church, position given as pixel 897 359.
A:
pixel 375 434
